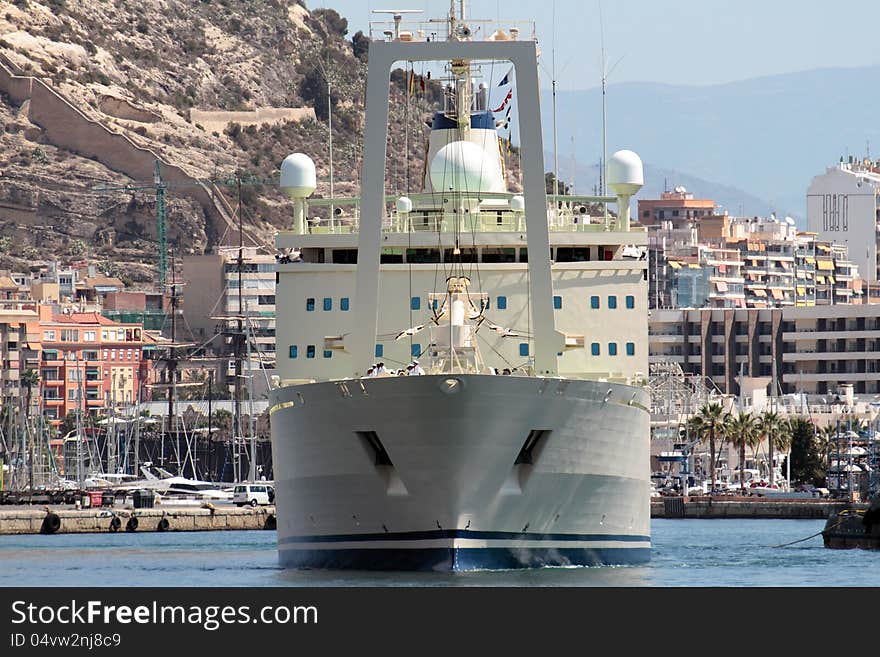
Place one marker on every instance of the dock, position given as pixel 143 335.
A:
pixel 707 507
pixel 63 520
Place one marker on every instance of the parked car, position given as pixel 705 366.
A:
pixel 253 494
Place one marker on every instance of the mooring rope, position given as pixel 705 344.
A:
pixel 801 540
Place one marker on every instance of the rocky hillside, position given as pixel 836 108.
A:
pixel 140 68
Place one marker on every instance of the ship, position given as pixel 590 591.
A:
pixel 461 371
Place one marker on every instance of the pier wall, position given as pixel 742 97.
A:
pixel 720 507
pixel 176 519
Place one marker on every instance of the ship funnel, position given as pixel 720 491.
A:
pixel 298 181
pixel 625 178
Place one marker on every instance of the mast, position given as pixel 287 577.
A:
pixel 236 401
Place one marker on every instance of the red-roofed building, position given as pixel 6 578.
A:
pixel 88 361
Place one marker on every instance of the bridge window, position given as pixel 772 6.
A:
pixel 415 303
pixel 630 348
pixel 380 350
pixel 557 303
pixel 416 350
pixel 343 303
pixel 328 303
pixel 612 348
pixel 502 303
pixel 310 304
pixel 293 351
pixel 630 301
pixel 523 348
pixel 612 301
pixel 328 353
pixel 594 348
pixel 310 351
pixel 594 302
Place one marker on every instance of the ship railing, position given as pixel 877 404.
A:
pixel 439 30
pixel 491 212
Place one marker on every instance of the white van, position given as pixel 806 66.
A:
pixel 253 494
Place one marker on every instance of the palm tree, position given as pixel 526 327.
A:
pixel 777 431
pixel 711 424
pixel 742 431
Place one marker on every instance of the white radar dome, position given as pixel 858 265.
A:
pixel 517 203
pixel 298 178
pixel 404 204
pixel 463 166
pixel 625 175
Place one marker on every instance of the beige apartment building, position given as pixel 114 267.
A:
pixel 211 297
pixel 808 349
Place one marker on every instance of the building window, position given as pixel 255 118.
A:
pixel 343 303
pixel 630 348
pixel 594 302
pixel 310 351
pixel 328 353
pixel 49 335
pixel 612 348
pixel 612 302
pixel 501 304
pixel 328 303
pixel 557 303
pixel 89 336
pixel 594 348
pixel 90 355
pixel 630 301
pixel 266 299
pixel 416 350
pixel 523 348
pixel 380 350
pixel 292 352
pixel 415 303
pixel 310 304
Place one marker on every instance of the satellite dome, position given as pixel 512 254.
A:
pixel 298 178
pixel 463 166
pixel 625 175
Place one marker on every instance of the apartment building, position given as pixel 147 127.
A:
pixel 679 207
pixel 808 349
pixel 87 362
pixel 843 207
pixel 211 296
pixel 13 339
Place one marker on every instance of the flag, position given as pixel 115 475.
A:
pixel 506 78
pixel 506 99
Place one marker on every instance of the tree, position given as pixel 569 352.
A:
pixel 777 432
pixel 743 430
pixel 29 379
pixel 806 456
pixel 360 45
pixel 711 424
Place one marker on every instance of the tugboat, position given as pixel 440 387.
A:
pixel 857 526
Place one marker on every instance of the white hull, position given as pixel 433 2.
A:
pixel 453 497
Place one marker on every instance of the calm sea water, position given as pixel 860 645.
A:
pixel 685 553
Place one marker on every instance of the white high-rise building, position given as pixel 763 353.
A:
pixel 842 207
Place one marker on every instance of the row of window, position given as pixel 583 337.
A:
pixel 328 303
pixel 416 350
pixel 415 303
pixel 107 335
pixel 91 355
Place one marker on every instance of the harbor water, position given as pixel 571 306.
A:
pixel 685 553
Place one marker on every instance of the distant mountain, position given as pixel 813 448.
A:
pixel 767 135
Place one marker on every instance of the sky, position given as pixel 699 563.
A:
pixel 694 42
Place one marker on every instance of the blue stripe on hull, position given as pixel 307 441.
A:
pixel 460 533
pixel 460 559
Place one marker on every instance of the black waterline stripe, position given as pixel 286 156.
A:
pixel 460 533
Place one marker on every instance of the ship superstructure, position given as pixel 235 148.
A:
pixel 525 442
